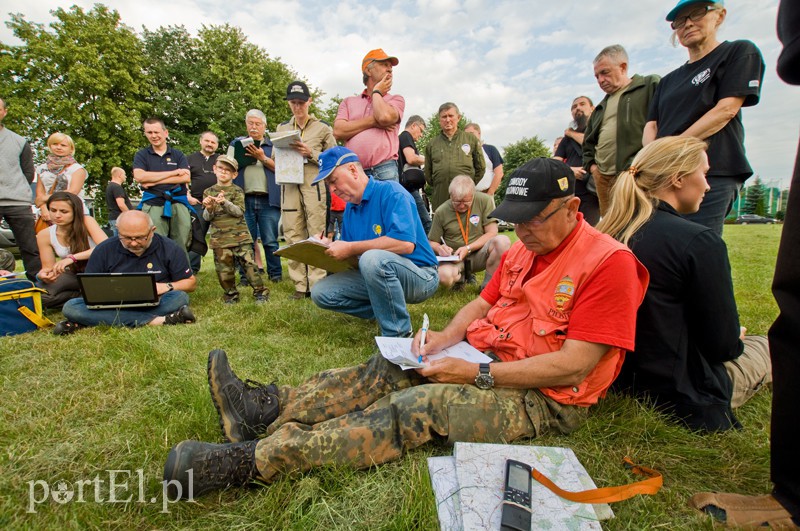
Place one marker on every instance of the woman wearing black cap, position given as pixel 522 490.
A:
pixel 703 97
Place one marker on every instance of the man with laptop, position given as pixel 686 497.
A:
pixel 162 267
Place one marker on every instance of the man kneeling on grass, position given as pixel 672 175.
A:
pixel 557 316
pixel 137 249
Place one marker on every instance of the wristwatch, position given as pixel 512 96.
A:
pixel 170 286
pixel 484 379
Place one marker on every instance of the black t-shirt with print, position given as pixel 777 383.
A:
pixel 732 69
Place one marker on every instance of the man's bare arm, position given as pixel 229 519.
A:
pixel 412 158
pixel 121 204
pixel 496 180
pixel 177 176
pixel 566 367
pixel 344 130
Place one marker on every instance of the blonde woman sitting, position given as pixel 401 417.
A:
pixel 692 359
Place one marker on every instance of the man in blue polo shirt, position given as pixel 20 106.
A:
pixel 137 249
pixel 162 172
pixel 382 230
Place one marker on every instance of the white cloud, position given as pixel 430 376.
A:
pixel 512 65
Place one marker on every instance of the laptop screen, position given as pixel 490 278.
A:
pixel 118 290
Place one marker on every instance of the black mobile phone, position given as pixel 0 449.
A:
pixel 517 497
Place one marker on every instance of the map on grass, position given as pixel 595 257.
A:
pixel 480 470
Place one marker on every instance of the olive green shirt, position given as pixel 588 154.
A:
pixel 445 223
pixel 446 158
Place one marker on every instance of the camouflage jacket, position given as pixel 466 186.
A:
pixel 228 228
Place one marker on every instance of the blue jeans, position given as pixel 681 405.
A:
pixel 112 223
pixel 262 220
pixel 717 203
pixel 379 290
pixel 422 210
pixel 76 311
pixel 385 171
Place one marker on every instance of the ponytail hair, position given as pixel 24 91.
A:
pixel 634 196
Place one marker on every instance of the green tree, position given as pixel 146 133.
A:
pixel 82 76
pixel 517 154
pixel 209 82
pixel 329 113
pixel 173 70
pixel 754 198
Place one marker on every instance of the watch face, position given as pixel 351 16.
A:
pixel 484 381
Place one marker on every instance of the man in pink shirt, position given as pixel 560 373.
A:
pixel 369 123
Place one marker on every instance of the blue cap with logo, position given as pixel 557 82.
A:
pixel 332 158
pixel 683 3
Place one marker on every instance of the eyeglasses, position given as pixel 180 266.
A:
pixel 535 222
pixel 695 16
pixel 463 202
pixel 135 239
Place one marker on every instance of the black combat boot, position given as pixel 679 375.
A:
pixel 245 409
pixel 181 315
pixel 194 468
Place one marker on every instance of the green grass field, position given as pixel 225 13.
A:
pixel 75 408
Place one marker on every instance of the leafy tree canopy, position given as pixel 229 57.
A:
pixel 82 76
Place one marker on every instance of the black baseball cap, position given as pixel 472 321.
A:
pixel 532 186
pixel 297 90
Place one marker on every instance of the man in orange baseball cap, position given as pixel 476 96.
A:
pixel 369 123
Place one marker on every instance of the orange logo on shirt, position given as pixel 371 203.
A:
pixel 565 289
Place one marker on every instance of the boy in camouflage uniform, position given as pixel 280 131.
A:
pixel 228 236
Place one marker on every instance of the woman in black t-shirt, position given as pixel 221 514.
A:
pixel 703 98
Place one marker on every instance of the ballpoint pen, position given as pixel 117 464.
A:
pixel 423 333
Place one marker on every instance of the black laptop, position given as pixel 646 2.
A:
pixel 103 291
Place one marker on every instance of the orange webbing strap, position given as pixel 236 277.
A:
pixel 651 485
pixel 40 321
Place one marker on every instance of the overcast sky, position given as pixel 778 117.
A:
pixel 512 66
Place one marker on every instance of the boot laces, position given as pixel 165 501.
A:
pixel 260 395
pixel 232 465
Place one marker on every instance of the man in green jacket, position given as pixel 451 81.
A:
pixel 614 133
pixel 452 152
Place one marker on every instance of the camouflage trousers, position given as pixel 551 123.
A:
pixel 372 413
pixel 225 263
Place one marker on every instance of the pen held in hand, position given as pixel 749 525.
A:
pixel 423 332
